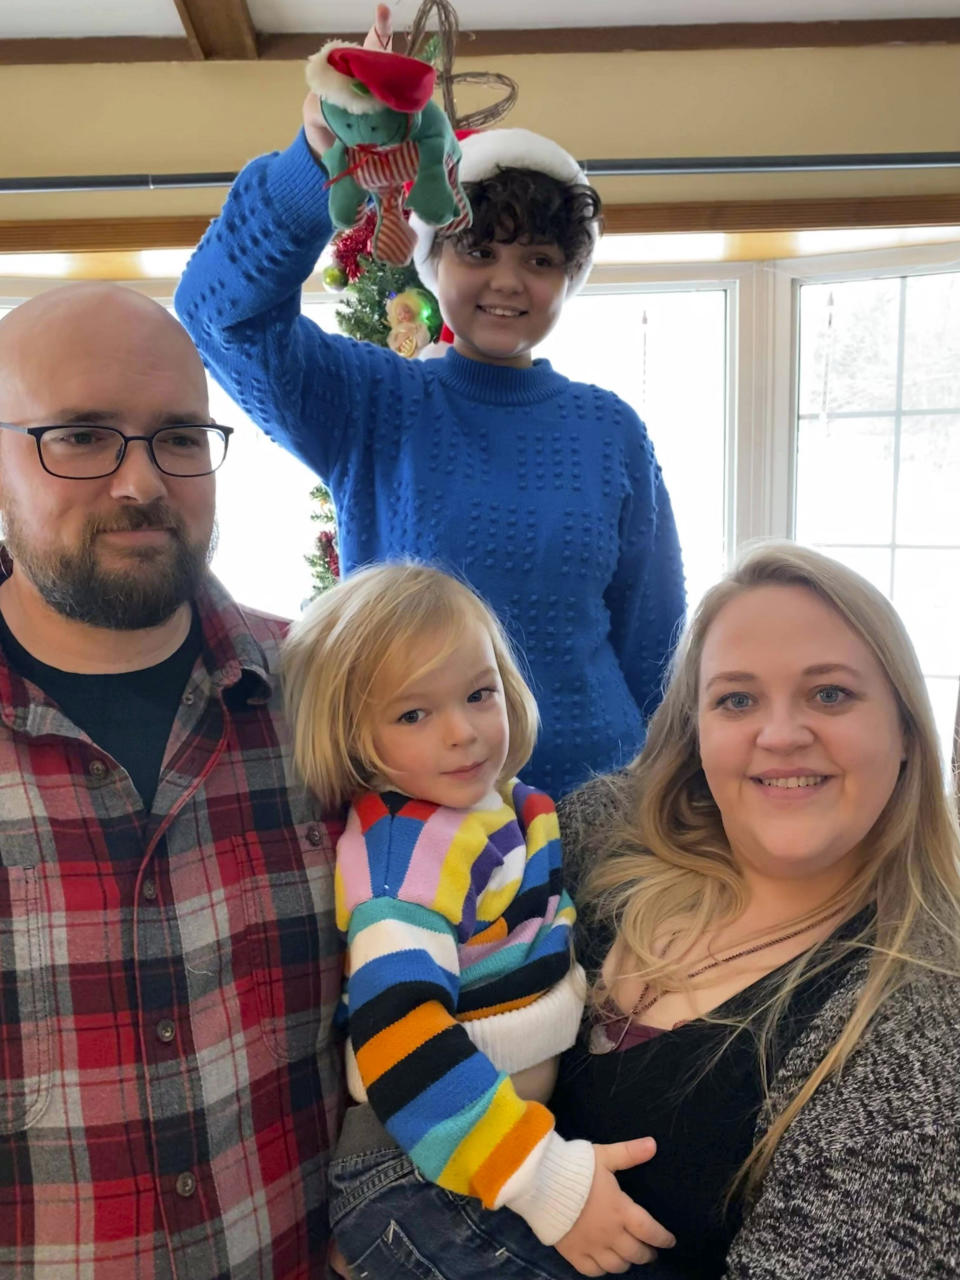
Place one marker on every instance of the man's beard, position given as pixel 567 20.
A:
pixel 143 593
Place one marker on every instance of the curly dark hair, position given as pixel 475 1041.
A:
pixel 524 204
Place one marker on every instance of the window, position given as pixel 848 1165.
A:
pixel 264 509
pixel 878 450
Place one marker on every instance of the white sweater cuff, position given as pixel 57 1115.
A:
pixel 535 1032
pixel 552 1199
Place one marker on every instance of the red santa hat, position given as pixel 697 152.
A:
pixel 485 153
pixel 362 81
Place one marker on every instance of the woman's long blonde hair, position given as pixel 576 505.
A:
pixel 366 626
pixel 665 856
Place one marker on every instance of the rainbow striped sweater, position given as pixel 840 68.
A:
pixel 460 972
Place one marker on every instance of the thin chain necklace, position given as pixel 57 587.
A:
pixel 643 1004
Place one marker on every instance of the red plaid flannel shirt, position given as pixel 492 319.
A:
pixel 169 1083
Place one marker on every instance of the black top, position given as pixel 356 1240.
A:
pixel 701 1108
pixel 128 714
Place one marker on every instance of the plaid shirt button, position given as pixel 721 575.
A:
pixel 314 835
pixel 97 769
pixel 185 1185
pixel 149 888
pixel 166 1032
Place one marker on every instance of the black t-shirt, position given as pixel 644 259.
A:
pixel 700 1101
pixel 128 714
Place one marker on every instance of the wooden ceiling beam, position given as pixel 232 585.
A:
pixel 661 39
pixel 817 214
pixel 78 235
pixel 223 29
pixel 93 235
pixel 62 51
pixel 219 29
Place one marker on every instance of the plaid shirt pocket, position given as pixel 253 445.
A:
pixel 285 937
pixel 25 1029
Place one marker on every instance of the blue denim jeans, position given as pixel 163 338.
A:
pixel 392 1224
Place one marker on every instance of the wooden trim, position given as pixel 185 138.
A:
pixel 785 215
pixel 36 52
pixel 293 46
pixel 208 24
pixel 89 235
pixel 662 39
pixel 79 235
pixel 710 36
pixel 219 29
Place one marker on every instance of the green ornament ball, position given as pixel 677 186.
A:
pixel 334 278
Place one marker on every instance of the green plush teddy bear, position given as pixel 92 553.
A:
pixel 388 133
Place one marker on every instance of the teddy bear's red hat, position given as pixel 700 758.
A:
pixel 393 80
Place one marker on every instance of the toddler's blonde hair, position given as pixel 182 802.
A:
pixel 365 626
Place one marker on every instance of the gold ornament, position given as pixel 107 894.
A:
pixel 409 339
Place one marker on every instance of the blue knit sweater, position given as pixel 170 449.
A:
pixel 543 493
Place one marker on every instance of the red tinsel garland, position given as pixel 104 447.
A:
pixel 326 544
pixel 349 245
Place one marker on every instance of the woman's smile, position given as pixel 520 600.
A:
pixel 793 781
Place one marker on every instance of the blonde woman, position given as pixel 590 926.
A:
pixel 776 878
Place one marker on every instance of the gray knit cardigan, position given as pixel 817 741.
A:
pixel 865 1184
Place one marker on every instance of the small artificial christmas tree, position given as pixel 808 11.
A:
pixel 363 314
pixel 385 305
pixel 324 561
pixel 369 286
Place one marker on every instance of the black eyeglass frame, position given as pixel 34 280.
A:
pixel 39 432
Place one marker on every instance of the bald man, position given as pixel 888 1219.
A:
pixel 169 1087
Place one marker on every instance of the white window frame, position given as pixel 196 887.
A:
pixel 832 269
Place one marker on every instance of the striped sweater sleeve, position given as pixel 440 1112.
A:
pixel 408 883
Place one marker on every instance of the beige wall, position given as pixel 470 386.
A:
pixel 161 117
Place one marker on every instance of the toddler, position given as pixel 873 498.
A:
pixel 461 989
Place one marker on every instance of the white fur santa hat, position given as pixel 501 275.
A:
pixel 485 154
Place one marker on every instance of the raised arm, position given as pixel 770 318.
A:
pixel 239 299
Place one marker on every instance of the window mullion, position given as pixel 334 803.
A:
pixel 763 431
pixel 897 429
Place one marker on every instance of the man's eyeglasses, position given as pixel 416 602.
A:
pixel 83 451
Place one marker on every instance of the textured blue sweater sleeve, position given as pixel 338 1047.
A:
pixel 318 394
pixel 646 597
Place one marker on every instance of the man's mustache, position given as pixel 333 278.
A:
pixel 151 515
